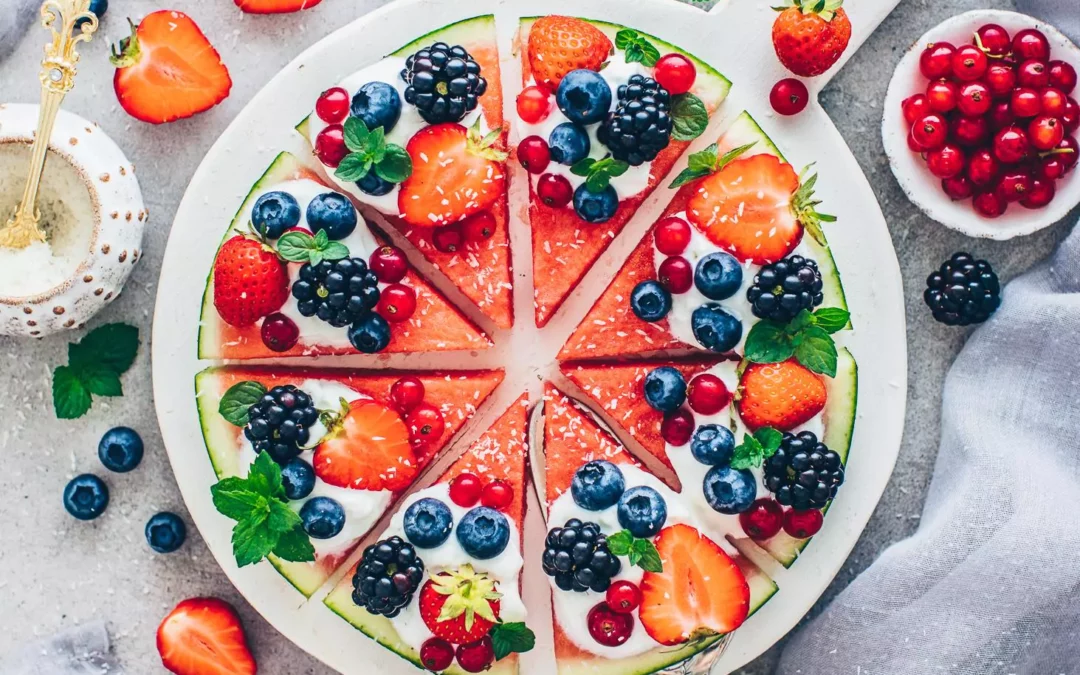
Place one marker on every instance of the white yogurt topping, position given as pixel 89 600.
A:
pixel 363 508
pixel 504 568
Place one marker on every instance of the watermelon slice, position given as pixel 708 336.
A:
pixel 568 436
pixel 565 247
pixel 482 270
pixel 436 324
pixel 456 394
pixel 501 453
pixel 611 329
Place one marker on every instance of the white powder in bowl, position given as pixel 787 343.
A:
pixel 32 269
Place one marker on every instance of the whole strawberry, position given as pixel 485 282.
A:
pixel 250 282
pixel 811 35
pixel 461 606
pixel 561 44
pixel 780 395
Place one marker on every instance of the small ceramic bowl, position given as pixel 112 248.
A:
pixel 92 212
pixel 921 186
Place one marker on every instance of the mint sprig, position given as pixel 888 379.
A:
pixel 689 117
pixel 301 247
pixel 237 401
pixel 264 522
pixel 511 638
pixel 637 48
pixel 369 151
pixel 707 162
pixel 807 337
pixel 599 172
pixel 94 367
pixel 756 448
pixel 640 552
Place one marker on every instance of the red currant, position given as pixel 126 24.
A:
pixel 333 105
pixel 969 63
pixel 1031 44
pixel 1011 145
pixel 942 95
pixel 676 73
pixel 1014 186
pixel 448 238
pixel 994 39
pixel 533 105
pixel 677 428
pixel 1000 79
pixel 279 333
pixel 958 187
pixel 936 60
pixel 397 303
pixel 672 235
pixel 330 145
pixel 1041 194
pixel 1054 102
pixel 1033 74
pixel 982 168
pixel 437 654
pixel 945 162
pixel 476 657
pixel 406 393
pixel 609 627
pixel 1001 115
pixel 623 597
pixel 803 524
pixel 915 108
pixel 1071 117
pixel 989 204
pixel 534 155
pixel 498 494
pixel 465 490
pixel 1069 152
pixel 913 145
pixel 789 97
pixel 426 424
pixel 1050 167
pixel 1062 76
pixel 763 519
pixel 1046 132
pixel 707 394
pixel 1025 102
pixel 970 131
pixel 975 99
pixel 478 227
pixel 930 132
pixel 389 264
pixel 554 190
pixel 676 274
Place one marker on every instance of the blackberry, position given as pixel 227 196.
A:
pixel 387 577
pixel 279 422
pixel 963 291
pixel 340 292
pixel 640 126
pixel 577 556
pixel 783 289
pixel 804 473
pixel 444 83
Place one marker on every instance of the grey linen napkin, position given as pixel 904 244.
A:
pixel 83 650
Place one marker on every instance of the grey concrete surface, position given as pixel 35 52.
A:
pixel 56 572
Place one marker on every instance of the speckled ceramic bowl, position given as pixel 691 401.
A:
pixel 921 186
pixel 94 197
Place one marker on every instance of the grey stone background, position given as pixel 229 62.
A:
pixel 56 572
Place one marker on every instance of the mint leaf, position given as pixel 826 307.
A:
pixel 511 638
pixel 769 439
pixel 353 167
pixel 100 380
pixel 619 543
pixel 648 558
pixel 754 450
pixel 832 319
pixel 689 117
pixel 801 321
pixel 334 250
pixel 356 134
pixel 233 500
pixel 637 48
pixel 282 519
pixel 599 172
pixel 301 247
pixel 705 160
pixel 252 540
pixel 396 165
pixel 768 342
pixel 71 398
pixel 376 145
pixel 294 546
pixel 732 155
pixel 264 477
pixel 584 167
pixel 815 349
pixel 238 400
pixel 113 346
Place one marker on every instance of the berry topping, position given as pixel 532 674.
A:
pixel 559 45
pixel 436 654
pixel 569 144
pixel 275 212
pixel 707 394
pixel 120 449
pixel 478 227
pixel 729 491
pixel 334 213
pixel 377 104
pixel 330 145
pixel 608 627
pixel 426 424
pixel 804 473
pixel 332 106
pixel 623 597
pixel 397 303
pixel 584 97
pixel 780 395
pixel 448 238
pixel 339 292
pixel 367 450
pixel 534 154
pixel 460 606
pixel 597 485
pixel 165 532
pixel 810 36
pixel 963 291
pixel 595 207
pixel 718 276
pixel 665 389
pixel 86 496
pixel 204 636
pixel 676 274
pixel 677 427
pixel 370 334
pixel 789 96
pixel 713 445
pixel 676 73
pixel 715 328
pixel 640 126
pixel 444 83
pixel 298 478
pixel 465 490
pixel 279 423
pixel 497 494
pixel 650 301
pixel 387 576
pixel 576 555
pixel 672 235
pixel 322 517
pixel 250 282
pixel 803 524
pixel 279 333
pixel 483 533
pixel 406 393
pixel 642 511
pixel 372 184
pixel 476 657
pixel 427 523
pixel 554 190
pixel 533 105
pixel 763 519
pixel 783 289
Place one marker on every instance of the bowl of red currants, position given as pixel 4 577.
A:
pixel 981 123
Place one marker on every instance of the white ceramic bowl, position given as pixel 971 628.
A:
pixel 921 186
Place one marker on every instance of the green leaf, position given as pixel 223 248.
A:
pixel 396 166
pixel 238 400
pixel 750 453
pixel 648 558
pixel 356 134
pixel 815 349
pixel 511 638
pixel 620 542
pixel 638 49
pixel 689 117
pixel 704 160
pixel 321 239
pixel 235 501
pixel 353 167
pixel 71 398
pixel 252 540
pixel 584 167
pixel 801 320
pixel 296 246
pixel 113 346
pixel 335 250
pixel 295 546
pixel 282 519
pixel 599 172
pixel 731 155
pixel 768 342
pixel 597 182
pixel 769 439
pixel 376 145
pixel 832 319
pixel 101 380
pixel 264 477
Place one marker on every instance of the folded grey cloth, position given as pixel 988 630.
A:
pixel 15 16
pixel 83 650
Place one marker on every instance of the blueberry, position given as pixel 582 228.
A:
pixel 120 449
pixel 568 144
pixel 298 478
pixel 372 185
pixel 715 329
pixel 377 104
pixel 584 97
pixel 642 511
pixel 729 491
pixel 428 522
pixel 98 8
pixel 274 213
pixel 718 276
pixel 322 517
pixel 370 335
pixel 597 485
pixel 86 496
pixel 665 389
pixel 332 212
pixel 713 444
pixel 650 301
pixel 165 532
pixel 595 207
pixel 483 533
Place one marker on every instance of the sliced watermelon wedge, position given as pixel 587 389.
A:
pixel 456 394
pixel 565 247
pixel 501 453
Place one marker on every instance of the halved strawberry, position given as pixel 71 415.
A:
pixel 700 592
pixel 203 636
pixel 561 44
pixel 167 69
pixel 460 606
pixel 250 282
pixel 369 450
pixel 456 173
pixel 274 6
pixel 780 395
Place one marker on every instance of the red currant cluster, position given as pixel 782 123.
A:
pixel 766 517
pixel 332 107
pixel 707 395
pixel 438 655
pixel 671 237
pixel 466 490
pixel 612 622
pixel 455 236
pixel 397 302
pixel 996 120
pixel 425 421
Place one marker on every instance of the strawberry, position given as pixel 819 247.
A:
pixel 461 606
pixel 780 395
pixel 561 44
pixel 167 69
pixel 250 282
pixel 756 208
pixel 274 6
pixel 810 35
pixel 203 636
pixel 367 449
pixel 455 174
pixel 700 592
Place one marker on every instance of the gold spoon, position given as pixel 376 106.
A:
pixel 57 78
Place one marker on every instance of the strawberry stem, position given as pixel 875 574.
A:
pixel 129 52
